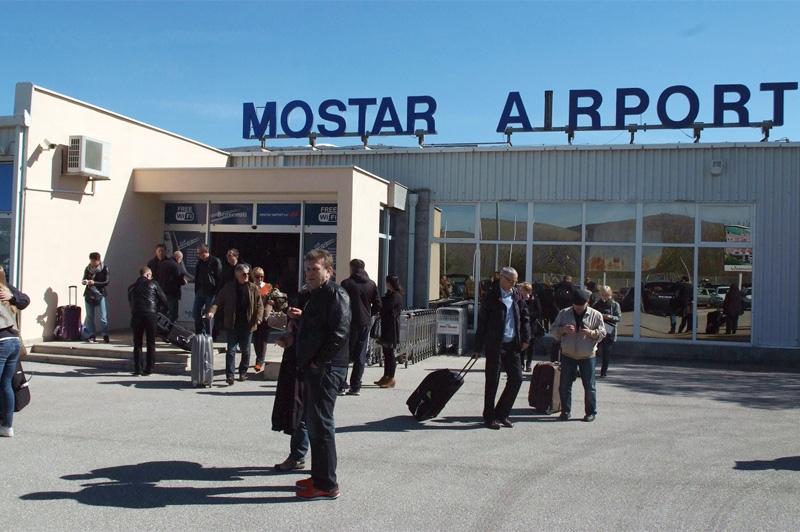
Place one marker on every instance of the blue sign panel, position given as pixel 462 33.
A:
pixel 6 186
pixel 185 213
pixel 321 214
pixel 187 242
pixel 278 214
pixel 232 213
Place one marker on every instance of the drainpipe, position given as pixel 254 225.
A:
pixel 18 180
pixel 412 233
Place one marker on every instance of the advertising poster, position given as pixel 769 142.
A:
pixel 321 214
pixel 184 213
pixel 232 213
pixel 278 214
pixel 187 242
pixel 738 259
pixel 326 241
pixel 6 187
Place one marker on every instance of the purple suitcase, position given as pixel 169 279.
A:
pixel 68 319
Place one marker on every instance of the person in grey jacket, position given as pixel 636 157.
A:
pixel 579 328
pixel 611 312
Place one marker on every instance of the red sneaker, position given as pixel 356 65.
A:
pixel 304 484
pixel 314 494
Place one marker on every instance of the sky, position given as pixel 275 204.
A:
pixel 188 67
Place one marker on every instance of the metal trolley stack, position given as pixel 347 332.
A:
pixel 417 338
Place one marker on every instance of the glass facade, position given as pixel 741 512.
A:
pixel 6 203
pixel 669 265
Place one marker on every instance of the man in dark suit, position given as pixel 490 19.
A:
pixel 503 331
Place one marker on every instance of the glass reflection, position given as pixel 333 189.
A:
pixel 496 256
pixel 613 266
pixel 504 221
pixel 610 222
pixel 724 298
pixel 452 276
pixel 557 222
pixel 667 292
pixel 725 223
pixel 454 221
pixel 668 223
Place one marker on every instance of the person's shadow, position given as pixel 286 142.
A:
pixel 136 486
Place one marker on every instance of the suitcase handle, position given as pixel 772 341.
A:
pixel 73 289
pixel 470 363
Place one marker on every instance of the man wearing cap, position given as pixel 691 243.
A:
pixel 503 331
pixel 579 328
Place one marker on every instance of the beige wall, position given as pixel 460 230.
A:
pixel 358 194
pixel 61 229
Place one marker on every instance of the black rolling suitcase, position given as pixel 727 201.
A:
pixel 174 333
pixel 713 322
pixel 435 390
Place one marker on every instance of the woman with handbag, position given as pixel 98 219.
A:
pixel 612 313
pixel 11 300
pixel 537 324
pixel 95 278
pixel 261 334
pixel 389 320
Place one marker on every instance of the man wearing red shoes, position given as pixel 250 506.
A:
pixel 322 357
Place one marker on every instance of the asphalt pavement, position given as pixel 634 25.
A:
pixel 673 448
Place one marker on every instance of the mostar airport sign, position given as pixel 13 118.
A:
pixel 584 106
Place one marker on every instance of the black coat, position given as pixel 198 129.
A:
pixel 492 321
pixel 207 277
pixel 154 264
pixel 324 334
pixel 536 317
pixel 364 299
pixel 287 409
pixel 101 279
pixel 145 296
pixel 171 276
pixel 391 307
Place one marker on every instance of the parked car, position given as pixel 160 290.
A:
pixel 718 295
pixel 747 298
pixel 703 297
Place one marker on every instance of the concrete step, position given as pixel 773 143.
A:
pixel 119 364
pixel 163 353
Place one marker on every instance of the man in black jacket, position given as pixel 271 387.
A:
pixel 172 276
pixel 160 256
pixel 322 357
pixel 144 296
pixel 207 282
pixel 96 278
pixel 503 331
pixel 364 303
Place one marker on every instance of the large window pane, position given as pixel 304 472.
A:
pixel 610 222
pixel 725 289
pixel 666 298
pixel 668 223
pixel 552 263
pixel 614 266
pixel 496 256
pixel 557 222
pixel 454 221
pixel 452 276
pixel 504 221
pixel 725 223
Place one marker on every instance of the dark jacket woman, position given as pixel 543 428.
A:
pixel 391 307
pixel 732 306
pixel 535 315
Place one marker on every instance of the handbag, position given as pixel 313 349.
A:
pixel 94 295
pixel 20 385
pixel 610 330
pixel 375 330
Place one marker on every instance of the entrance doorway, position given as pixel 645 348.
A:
pixel 277 253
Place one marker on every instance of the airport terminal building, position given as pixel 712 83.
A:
pixel 444 218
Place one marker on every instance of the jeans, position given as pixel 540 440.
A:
pixel 569 366
pixel 511 362
pixel 320 392
pixel 88 324
pixel 604 349
pixel 241 336
pixel 260 338
pixel 144 325
pixel 298 446
pixel 359 339
pixel 172 308
pixel 201 305
pixel 9 356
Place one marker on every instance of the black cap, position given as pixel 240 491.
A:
pixel 580 296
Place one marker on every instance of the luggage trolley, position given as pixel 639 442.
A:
pixel 451 326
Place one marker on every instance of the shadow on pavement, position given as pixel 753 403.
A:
pixel 787 463
pixel 135 486
pixel 83 372
pixel 143 383
pixel 407 423
pixel 768 391
pixel 252 393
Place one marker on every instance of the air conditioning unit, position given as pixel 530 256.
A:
pixel 89 157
